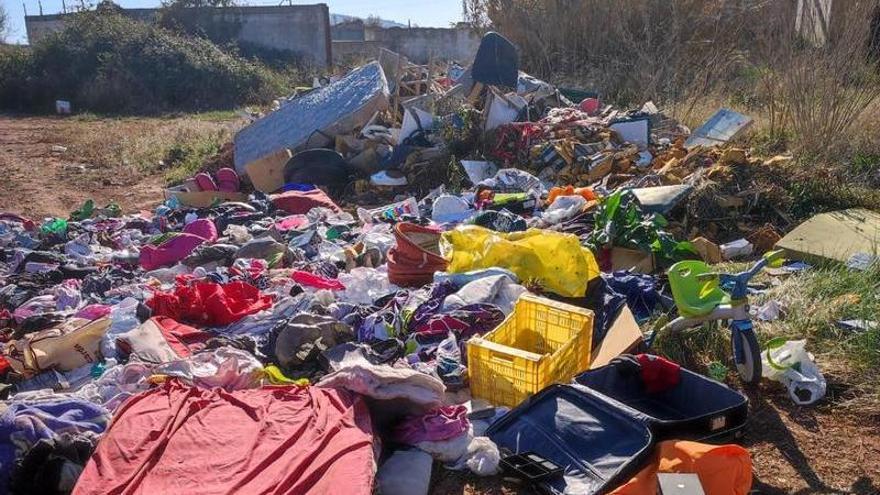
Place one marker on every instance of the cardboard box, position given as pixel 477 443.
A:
pixel 834 237
pixel 623 336
pixel 267 173
pixel 632 259
pixel 203 199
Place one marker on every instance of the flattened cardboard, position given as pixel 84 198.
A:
pixel 661 199
pixel 631 259
pixel 719 129
pixel 203 199
pixel 834 236
pixel 623 336
pixel 267 174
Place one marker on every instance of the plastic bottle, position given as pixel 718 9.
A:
pixel 54 226
pixel 98 369
pixel 123 318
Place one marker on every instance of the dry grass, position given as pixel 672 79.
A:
pixel 813 301
pixel 693 56
pixel 138 146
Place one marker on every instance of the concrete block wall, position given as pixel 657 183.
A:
pixel 422 44
pixel 346 52
pixel 301 29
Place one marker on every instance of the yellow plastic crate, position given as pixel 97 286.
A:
pixel 540 343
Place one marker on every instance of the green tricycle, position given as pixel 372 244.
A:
pixel 702 295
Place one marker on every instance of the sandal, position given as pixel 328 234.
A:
pixel 205 182
pixel 228 180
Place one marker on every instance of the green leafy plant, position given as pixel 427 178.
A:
pixel 619 221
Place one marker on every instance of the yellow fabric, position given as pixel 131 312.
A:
pixel 276 377
pixel 554 260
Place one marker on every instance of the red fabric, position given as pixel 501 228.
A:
pixel 658 374
pixel 410 265
pixel 270 440
pixel 316 281
pixel 208 303
pixel 301 202
pixel 292 222
pixel 181 338
pixel 175 249
pixel 27 223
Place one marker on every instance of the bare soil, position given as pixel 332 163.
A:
pixel 37 181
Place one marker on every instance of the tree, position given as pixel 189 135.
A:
pixel 4 22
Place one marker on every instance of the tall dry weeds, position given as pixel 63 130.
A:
pixel 628 50
pixel 814 91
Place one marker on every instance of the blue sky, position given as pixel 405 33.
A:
pixel 430 13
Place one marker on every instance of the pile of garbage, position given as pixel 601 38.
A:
pixel 288 340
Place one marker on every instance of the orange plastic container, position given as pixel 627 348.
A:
pixel 540 343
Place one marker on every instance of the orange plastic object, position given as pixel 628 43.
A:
pixel 722 469
pixel 585 192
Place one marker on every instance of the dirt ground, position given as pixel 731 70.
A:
pixel 39 180
pixel 800 450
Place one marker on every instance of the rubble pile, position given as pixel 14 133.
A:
pixel 411 266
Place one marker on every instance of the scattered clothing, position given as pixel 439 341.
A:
pixel 442 423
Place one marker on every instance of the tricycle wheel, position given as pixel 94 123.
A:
pixel 750 368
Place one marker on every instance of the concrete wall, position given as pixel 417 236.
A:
pixel 345 51
pixel 40 26
pixel 422 44
pixel 347 31
pixel 302 29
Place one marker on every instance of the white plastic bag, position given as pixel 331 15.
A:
pixel 563 208
pixel 788 362
pixel 483 457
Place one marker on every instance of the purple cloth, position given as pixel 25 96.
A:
pixel 465 321
pixel 23 424
pixel 67 294
pixel 439 424
pixel 385 323
pixel 180 246
pixel 432 306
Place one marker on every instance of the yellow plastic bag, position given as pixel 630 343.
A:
pixel 554 260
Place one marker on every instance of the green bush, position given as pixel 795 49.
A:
pixel 105 62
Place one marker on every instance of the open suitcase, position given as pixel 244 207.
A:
pixel 697 408
pixel 598 446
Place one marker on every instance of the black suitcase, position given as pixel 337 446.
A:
pixel 698 408
pixel 598 445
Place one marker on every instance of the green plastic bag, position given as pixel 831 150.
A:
pixel 54 226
